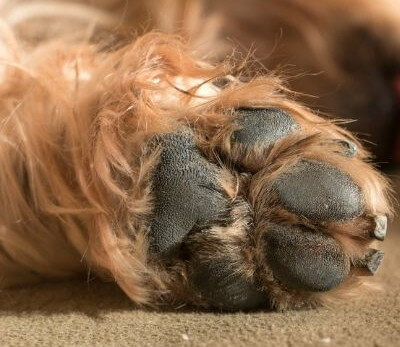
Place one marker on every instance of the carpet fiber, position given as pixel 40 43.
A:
pixel 97 314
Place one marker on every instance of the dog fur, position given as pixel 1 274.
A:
pixel 341 57
pixel 76 166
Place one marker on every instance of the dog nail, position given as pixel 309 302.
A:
pixel 380 228
pixel 371 262
pixel 350 148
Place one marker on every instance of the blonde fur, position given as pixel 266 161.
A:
pixel 75 169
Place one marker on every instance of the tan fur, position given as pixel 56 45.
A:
pixel 75 169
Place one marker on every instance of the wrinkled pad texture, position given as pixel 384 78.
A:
pixel 305 259
pixel 263 126
pixel 319 191
pixel 186 191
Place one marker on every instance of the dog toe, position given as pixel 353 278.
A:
pixel 305 259
pixel 319 191
pixel 263 126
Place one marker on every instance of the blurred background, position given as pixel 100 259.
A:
pixel 340 57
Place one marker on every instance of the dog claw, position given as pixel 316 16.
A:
pixel 350 148
pixel 380 228
pixel 371 262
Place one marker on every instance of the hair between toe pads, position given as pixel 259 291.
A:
pixel 305 259
pixel 319 191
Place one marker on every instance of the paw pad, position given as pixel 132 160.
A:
pixel 319 191
pixel 305 259
pixel 218 283
pixel 263 126
pixel 186 191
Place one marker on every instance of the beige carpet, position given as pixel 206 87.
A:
pixel 96 314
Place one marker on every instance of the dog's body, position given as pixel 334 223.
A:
pixel 177 179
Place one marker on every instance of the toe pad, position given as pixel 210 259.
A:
pixel 305 259
pixel 263 126
pixel 319 191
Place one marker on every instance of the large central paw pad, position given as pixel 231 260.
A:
pixel 186 191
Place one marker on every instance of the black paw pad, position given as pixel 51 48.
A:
pixel 186 192
pixel 305 259
pixel 222 288
pixel 263 126
pixel 319 191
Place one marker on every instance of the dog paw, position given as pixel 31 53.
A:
pixel 186 192
pixel 306 211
